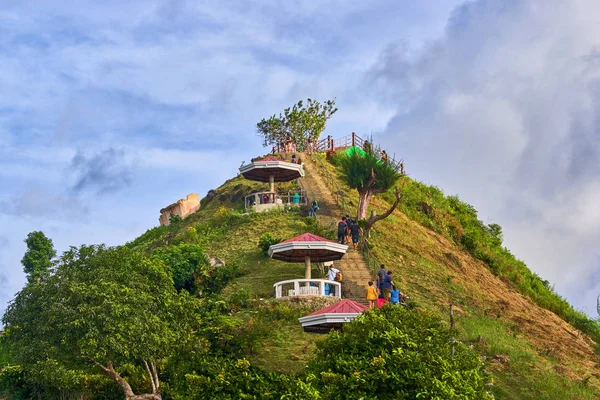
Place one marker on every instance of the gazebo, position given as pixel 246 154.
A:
pixel 272 169
pixel 331 317
pixel 306 248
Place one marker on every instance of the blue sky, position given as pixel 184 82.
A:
pixel 111 110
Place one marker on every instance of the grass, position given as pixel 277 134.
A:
pixel 527 375
pixel 429 265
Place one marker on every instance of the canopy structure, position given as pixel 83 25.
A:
pixel 331 317
pixel 306 248
pixel 271 169
pixel 354 149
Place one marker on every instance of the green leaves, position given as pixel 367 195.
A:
pixel 37 261
pixel 107 305
pixel 302 123
pixel 394 353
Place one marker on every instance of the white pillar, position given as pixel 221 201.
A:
pixel 296 288
pixel 271 183
pixel 307 264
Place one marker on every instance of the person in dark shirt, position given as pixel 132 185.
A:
pixel 387 285
pixel 342 225
pixel 381 274
pixel 355 233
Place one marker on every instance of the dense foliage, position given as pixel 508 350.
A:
pixel 302 123
pixel 395 353
pixel 37 261
pixel 103 308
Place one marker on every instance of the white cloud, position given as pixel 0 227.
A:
pixel 503 111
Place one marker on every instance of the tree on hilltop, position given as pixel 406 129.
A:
pixel 101 309
pixel 303 123
pixel 37 261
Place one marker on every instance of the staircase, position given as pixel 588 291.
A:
pixel 354 269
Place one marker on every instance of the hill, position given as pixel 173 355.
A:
pixel 530 351
pixel 532 343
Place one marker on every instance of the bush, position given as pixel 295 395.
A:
pixel 186 262
pixel 394 353
pixel 267 240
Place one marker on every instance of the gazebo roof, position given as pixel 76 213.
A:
pixel 331 317
pixel 281 171
pixel 308 237
pixel 345 306
pixel 317 248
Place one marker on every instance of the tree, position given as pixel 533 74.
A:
pixel 369 175
pixel 303 123
pixel 395 353
pixel 37 261
pixel 101 309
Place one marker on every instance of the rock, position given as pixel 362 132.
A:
pixel 216 262
pixel 210 195
pixel 501 358
pixel 182 208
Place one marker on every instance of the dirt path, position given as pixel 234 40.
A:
pixel 354 269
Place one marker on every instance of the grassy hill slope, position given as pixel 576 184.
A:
pixel 530 352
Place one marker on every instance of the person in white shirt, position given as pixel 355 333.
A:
pixel 331 274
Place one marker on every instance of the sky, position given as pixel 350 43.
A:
pixel 111 110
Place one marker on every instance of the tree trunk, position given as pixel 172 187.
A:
pixel 129 395
pixel 363 203
pixel 374 218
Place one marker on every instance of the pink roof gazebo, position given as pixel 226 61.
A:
pixel 306 248
pixel 271 169
pixel 331 317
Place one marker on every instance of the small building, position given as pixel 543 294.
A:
pixel 182 208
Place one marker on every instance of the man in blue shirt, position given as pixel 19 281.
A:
pixel 387 285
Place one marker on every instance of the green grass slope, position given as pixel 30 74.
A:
pixel 530 351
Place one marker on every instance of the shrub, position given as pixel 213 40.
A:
pixel 394 353
pixel 186 262
pixel 267 240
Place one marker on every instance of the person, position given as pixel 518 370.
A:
pixel 293 159
pixel 355 233
pixel 395 295
pixel 342 225
pixel 381 274
pixel 299 161
pixel 266 199
pixel 331 275
pixel 371 295
pixel 314 207
pixel 295 198
pixel 384 156
pixel 367 146
pixel 380 300
pixel 349 223
pixel 387 285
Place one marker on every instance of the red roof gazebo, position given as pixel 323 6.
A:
pixel 271 169
pixel 306 248
pixel 331 317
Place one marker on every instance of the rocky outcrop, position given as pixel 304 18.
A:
pixel 182 208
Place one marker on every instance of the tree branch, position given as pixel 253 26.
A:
pixel 151 377
pixel 374 218
pixel 153 365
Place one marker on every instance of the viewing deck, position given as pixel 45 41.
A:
pixel 307 287
pixel 262 201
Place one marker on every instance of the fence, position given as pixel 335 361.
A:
pixel 353 140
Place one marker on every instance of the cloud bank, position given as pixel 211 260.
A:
pixel 504 110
